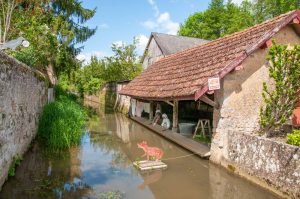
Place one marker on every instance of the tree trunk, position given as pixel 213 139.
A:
pixel 51 74
pixel 175 116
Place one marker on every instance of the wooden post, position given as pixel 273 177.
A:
pixel 151 111
pixel 175 116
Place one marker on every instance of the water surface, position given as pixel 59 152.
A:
pixel 101 167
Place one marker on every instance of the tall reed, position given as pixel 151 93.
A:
pixel 61 122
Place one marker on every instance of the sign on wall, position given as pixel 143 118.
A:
pixel 214 83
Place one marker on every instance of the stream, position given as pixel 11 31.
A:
pixel 101 168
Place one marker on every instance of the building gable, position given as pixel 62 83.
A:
pixel 161 45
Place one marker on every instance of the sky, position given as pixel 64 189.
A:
pixel 120 21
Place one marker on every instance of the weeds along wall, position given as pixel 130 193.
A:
pixel 23 93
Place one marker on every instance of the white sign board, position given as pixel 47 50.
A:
pixel 214 83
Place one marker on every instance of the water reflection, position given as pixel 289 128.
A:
pixel 102 167
pixel 42 175
pixel 150 178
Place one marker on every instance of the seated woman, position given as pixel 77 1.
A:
pixel 166 122
pixel 157 118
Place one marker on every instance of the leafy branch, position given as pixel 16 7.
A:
pixel 282 97
pixel 7 8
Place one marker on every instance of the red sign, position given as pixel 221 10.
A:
pixel 296 116
pixel 214 83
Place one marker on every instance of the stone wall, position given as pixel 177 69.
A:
pixel 240 100
pixel 122 102
pixel 23 93
pixel 275 163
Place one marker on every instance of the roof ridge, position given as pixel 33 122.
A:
pixel 172 44
pixel 158 33
pixel 230 35
pixel 184 75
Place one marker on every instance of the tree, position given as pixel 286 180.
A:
pixel 7 8
pixel 218 20
pixel 123 65
pixel 193 26
pixel 207 24
pixel 53 27
pixel 280 102
pixel 237 17
pixel 266 9
pixel 92 77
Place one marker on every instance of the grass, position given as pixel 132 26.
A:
pixel 61 122
pixel 15 163
pixel 202 138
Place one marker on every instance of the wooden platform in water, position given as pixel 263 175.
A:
pixel 145 165
pixel 198 148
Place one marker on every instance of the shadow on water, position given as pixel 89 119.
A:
pixel 101 167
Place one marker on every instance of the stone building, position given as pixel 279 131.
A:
pixel 161 45
pixel 239 62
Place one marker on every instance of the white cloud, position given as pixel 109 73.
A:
pixel 86 57
pixel 150 24
pixel 154 7
pixel 237 1
pixel 163 23
pixel 142 42
pixel 103 26
pixel 151 2
pixel 81 57
pixel 163 17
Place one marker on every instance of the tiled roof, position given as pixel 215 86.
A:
pixel 170 44
pixel 184 75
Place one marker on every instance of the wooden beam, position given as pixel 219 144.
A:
pixel 170 103
pixel 181 98
pixel 151 111
pixel 208 101
pixel 175 117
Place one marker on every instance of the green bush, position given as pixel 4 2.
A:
pixel 280 100
pixel 294 138
pixel 61 122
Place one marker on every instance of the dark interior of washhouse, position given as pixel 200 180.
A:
pixel 189 112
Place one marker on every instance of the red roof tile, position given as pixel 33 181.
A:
pixel 184 75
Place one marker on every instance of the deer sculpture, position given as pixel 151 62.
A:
pixel 155 152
